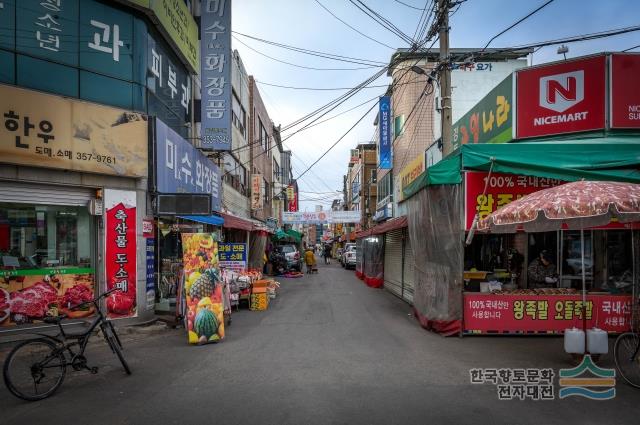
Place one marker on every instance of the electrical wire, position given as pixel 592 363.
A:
pixel 408 5
pixel 631 48
pixel 353 28
pixel 316 88
pixel 383 22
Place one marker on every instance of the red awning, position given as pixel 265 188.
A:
pixel 233 222
pixel 387 226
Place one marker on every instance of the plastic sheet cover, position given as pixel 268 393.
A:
pixel 435 230
pixel 373 250
pixel 359 258
pixel 257 246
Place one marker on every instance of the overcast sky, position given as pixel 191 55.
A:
pixel 304 23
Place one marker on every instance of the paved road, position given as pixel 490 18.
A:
pixel 328 350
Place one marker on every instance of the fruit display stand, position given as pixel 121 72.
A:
pixel 259 296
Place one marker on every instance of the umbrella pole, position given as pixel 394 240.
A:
pixel 584 291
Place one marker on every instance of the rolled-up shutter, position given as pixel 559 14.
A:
pixel 408 270
pixel 36 193
pixel 393 262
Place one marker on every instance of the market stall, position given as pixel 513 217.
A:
pixel 445 270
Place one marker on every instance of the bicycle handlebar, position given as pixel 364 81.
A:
pixel 95 300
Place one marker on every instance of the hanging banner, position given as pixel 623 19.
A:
pixel 384 123
pixel 256 191
pixel 625 90
pixel 120 252
pixel 203 288
pixel 181 168
pixel 497 313
pixel 320 217
pixel 232 256
pixel 215 49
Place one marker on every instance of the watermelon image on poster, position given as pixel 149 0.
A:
pixel 202 288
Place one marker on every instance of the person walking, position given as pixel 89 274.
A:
pixel 309 259
pixel 327 254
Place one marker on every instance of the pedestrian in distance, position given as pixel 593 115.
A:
pixel 327 254
pixel 309 259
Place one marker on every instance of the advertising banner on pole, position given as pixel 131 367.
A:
pixel 120 252
pixel 563 97
pixel 181 168
pixel 498 313
pixel 215 67
pixel 625 90
pixel 321 217
pixel 256 191
pixel 384 124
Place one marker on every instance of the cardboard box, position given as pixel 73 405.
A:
pixel 259 299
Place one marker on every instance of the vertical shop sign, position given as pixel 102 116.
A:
pixel 625 90
pixel 120 251
pixel 151 269
pixel 181 168
pixel 384 160
pixel 256 191
pixel 215 48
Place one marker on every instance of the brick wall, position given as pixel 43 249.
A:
pixel 261 160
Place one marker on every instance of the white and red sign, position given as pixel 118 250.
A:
pixel 120 252
pixel 564 97
pixel 494 313
pixel 625 90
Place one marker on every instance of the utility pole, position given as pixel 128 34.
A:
pixel 445 78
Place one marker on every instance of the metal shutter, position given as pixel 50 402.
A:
pixel 408 270
pixel 393 262
pixel 36 193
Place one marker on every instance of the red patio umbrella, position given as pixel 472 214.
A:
pixel 576 205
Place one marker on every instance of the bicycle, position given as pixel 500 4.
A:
pixel 25 366
pixel 626 352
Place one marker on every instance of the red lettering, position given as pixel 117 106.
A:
pixel 567 91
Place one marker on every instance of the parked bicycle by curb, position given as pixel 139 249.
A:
pixel 36 368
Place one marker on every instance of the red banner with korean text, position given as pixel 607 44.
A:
pixel 493 313
pixel 120 252
pixel 502 189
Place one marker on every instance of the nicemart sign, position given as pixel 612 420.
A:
pixel 561 98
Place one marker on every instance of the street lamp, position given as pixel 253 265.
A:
pixel 563 50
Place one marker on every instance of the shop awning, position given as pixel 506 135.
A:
pixel 613 158
pixel 233 222
pixel 387 226
pixel 297 236
pixel 206 219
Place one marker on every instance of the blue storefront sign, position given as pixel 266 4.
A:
pixel 181 168
pixel 215 67
pixel 151 269
pixel 384 123
pixel 232 255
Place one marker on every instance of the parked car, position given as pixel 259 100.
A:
pixel 350 258
pixel 343 256
pixel 291 253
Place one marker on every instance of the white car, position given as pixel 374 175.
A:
pixel 343 254
pixel 350 258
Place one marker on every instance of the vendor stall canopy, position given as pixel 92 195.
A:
pixel 613 158
pixel 287 235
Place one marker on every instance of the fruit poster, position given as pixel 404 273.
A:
pixel 203 288
pixel 27 296
pixel 120 252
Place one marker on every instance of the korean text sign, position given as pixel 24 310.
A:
pixel 181 168
pixel 215 48
pixel 384 123
pixel 232 256
pixel 490 120
pixel 256 191
pixel 120 251
pixel 501 190
pixel 544 313
pixel 625 91
pixel 560 98
pixel 49 131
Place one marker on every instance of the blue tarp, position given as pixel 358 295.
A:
pixel 207 219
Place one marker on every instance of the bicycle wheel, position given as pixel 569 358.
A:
pixel 626 352
pixel 34 369
pixel 113 341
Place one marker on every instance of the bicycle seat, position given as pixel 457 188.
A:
pixel 54 319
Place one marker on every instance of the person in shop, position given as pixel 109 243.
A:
pixel 309 259
pixel 542 272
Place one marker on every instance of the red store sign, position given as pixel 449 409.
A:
pixel 565 97
pixel 120 252
pixel 493 313
pixel 625 90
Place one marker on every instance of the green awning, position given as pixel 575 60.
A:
pixel 614 158
pixel 288 235
pixel 297 236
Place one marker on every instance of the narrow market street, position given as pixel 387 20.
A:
pixel 328 350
